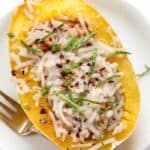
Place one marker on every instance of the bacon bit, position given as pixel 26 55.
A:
pixel 70 24
pixel 14 72
pixel 43 111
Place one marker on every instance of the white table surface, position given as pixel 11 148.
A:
pixel 142 5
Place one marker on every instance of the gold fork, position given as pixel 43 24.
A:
pixel 18 122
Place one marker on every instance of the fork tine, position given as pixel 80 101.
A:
pixel 9 110
pixel 9 99
pixel 6 120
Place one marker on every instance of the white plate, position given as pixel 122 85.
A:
pixel 134 33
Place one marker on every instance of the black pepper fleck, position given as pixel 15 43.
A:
pixel 68 61
pixel 84 82
pixel 110 81
pixel 89 44
pixel 23 72
pixel 89 64
pixel 59 65
pixel 96 79
pixel 43 111
pixel 61 56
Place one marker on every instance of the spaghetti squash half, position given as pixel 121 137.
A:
pixel 74 79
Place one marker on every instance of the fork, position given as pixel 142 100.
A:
pixel 19 121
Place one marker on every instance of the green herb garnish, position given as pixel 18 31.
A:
pixel 30 48
pixel 75 65
pixel 93 63
pixel 84 93
pixel 102 83
pixel 11 35
pixel 56 47
pixel 45 90
pixel 67 99
pixel 116 53
pixel 50 33
pixel 71 44
pixel 146 71
pixel 69 80
pixel 81 99
pixel 25 106
pixel 75 43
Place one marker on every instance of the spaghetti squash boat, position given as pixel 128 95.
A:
pixel 74 80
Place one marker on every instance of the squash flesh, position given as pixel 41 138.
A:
pixel 53 8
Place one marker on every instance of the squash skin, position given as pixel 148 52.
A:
pixel 53 8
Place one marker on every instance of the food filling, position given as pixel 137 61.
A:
pixel 75 75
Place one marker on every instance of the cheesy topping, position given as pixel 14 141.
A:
pixel 82 86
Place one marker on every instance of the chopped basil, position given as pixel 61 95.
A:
pixel 75 65
pixel 25 106
pixel 102 83
pixel 93 63
pixel 75 43
pixel 45 90
pixel 50 33
pixel 11 35
pixel 30 48
pixel 116 53
pixel 146 71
